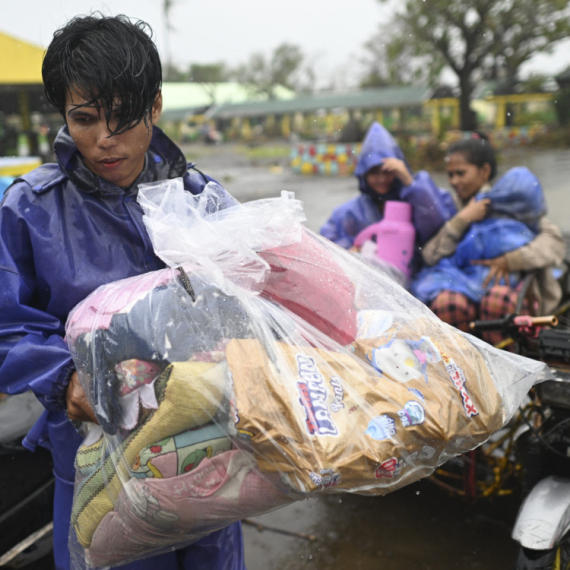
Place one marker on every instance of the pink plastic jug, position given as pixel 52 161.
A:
pixel 395 236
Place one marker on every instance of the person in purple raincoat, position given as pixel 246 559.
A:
pixel 383 174
pixel 69 227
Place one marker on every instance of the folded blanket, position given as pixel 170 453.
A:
pixel 161 513
pixel 184 403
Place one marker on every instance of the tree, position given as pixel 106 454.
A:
pixel 171 72
pixel 209 72
pixel 287 66
pixel 167 6
pixel 390 59
pixel 477 35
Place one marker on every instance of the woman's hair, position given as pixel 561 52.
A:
pixel 476 150
pixel 106 61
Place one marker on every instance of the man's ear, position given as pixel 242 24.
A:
pixel 156 108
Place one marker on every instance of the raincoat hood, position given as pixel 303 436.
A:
pixel 163 160
pixel 518 194
pixel 377 146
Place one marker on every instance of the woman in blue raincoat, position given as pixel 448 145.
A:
pixel 475 262
pixel 383 175
pixel 67 228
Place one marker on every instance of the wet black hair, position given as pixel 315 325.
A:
pixel 476 150
pixel 104 59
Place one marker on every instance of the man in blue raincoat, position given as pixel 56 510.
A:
pixel 69 227
pixel 383 174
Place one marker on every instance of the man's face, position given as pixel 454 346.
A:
pixel 118 159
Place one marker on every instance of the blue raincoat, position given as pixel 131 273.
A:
pixel 517 204
pixel 431 206
pixel 63 233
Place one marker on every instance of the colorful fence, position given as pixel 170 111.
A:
pixel 325 159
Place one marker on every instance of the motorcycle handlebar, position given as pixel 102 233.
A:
pixel 513 321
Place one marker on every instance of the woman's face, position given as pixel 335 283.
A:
pixel 379 180
pixel 466 178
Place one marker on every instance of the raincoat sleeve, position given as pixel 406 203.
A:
pixel 347 221
pixel 445 241
pixel 33 353
pixel 432 206
pixel 547 249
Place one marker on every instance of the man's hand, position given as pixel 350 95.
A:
pixel 399 169
pixel 78 407
pixel 498 270
pixel 475 211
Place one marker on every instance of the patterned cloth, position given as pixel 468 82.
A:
pixel 457 310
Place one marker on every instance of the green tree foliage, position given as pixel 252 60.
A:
pixel 287 66
pixel 562 106
pixel 172 73
pixel 391 59
pixel 474 36
pixel 209 72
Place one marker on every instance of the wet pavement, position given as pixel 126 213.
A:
pixel 419 527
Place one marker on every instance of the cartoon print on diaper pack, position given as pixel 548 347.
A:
pixel 388 469
pixel 181 453
pixel 413 414
pixel 381 427
pixel 417 393
pixel 326 478
pixel 373 323
pixel 405 360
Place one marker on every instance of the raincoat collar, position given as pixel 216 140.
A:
pixel 163 160
pixel 377 146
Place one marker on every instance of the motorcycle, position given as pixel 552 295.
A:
pixel 541 450
pixel 542 527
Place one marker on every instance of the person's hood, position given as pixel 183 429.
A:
pixel 378 145
pixel 517 194
pixel 163 160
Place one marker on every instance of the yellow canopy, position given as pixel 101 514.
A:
pixel 20 61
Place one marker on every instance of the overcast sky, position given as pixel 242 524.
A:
pixel 330 33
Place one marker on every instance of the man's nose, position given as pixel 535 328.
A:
pixel 104 137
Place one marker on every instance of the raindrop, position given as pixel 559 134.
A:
pixel 310 557
pixel 417 492
pixel 340 501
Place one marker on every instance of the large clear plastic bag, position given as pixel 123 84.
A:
pixel 264 365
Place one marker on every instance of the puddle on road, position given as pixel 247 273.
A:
pixel 416 528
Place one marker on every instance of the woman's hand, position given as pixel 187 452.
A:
pixel 475 211
pixel 78 407
pixel 399 169
pixel 498 270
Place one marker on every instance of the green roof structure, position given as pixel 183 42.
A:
pixel 381 98
pixel 184 98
